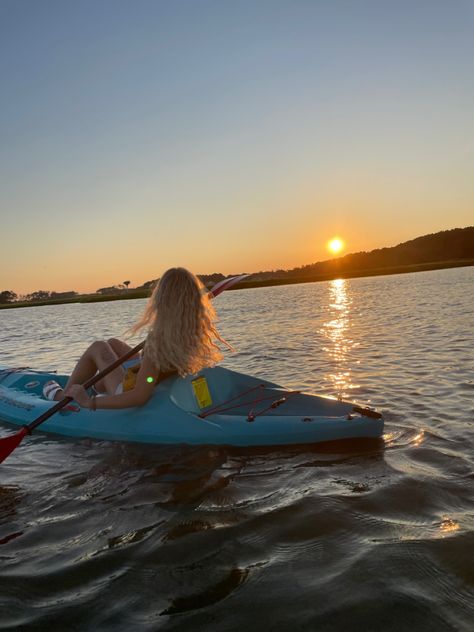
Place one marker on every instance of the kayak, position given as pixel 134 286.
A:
pixel 215 407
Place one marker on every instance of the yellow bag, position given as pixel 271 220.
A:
pixel 130 378
pixel 201 391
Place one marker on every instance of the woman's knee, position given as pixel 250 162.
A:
pixel 97 346
pixel 101 349
pixel 119 346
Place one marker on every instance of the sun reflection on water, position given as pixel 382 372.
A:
pixel 449 525
pixel 419 438
pixel 336 331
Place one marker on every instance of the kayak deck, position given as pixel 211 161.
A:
pixel 216 407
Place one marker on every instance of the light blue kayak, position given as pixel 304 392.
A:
pixel 215 407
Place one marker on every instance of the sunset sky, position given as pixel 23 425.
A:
pixel 226 136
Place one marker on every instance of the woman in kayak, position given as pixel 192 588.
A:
pixel 181 339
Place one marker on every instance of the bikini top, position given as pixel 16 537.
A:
pixel 130 377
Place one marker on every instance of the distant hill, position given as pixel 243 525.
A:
pixel 448 246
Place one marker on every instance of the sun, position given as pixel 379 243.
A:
pixel 335 245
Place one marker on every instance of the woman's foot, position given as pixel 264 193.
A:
pixel 53 391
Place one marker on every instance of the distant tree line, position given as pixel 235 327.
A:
pixel 207 279
pixel 114 289
pixel 8 296
pixel 449 245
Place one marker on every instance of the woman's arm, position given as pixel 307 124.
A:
pixel 139 395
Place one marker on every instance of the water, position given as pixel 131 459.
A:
pixel 103 536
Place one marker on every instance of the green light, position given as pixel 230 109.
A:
pixel 150 380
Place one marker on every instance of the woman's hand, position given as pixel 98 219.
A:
pixel 79 394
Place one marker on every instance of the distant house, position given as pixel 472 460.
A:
pixel 148 285
pixel 108 290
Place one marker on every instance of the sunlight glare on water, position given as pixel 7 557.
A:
pixel 337 332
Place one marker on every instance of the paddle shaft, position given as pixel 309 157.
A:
pixel 90 382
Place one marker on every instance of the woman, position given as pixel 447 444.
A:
pixel 181 339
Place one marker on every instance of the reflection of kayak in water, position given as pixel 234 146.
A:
pixel 216 407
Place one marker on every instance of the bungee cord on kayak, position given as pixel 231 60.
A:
pixel 251 415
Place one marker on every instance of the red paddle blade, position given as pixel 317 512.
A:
pixel 226 284
pixel 8 444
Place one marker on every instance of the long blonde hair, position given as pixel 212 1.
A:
pixel 180 319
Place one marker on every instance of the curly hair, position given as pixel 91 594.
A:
pixel 180 319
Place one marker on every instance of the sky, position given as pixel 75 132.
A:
pixel 226 136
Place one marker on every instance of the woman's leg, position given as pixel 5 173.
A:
pixel 98 356
pixel 121 348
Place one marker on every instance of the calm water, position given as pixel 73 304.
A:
pixel 103 536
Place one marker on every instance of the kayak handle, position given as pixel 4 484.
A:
pixel 367 412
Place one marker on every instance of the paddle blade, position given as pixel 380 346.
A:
pixel 8 444
pixel 226 284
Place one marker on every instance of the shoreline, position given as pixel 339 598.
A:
pixel 354 274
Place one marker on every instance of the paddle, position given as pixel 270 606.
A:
pixel 8 444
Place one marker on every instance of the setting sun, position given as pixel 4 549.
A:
pixel 335 245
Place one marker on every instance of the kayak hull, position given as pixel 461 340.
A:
pixel 241 410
